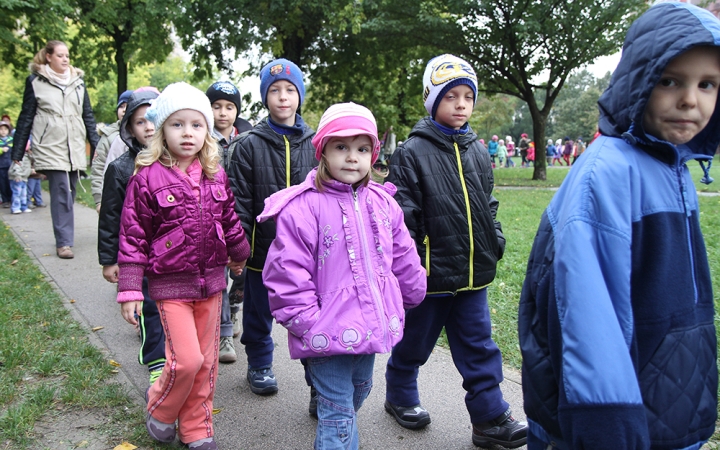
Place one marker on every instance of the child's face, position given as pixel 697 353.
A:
pixel 4 131
pixel 683 101
pixel 185 132
pixel 282 102
pixel 455 107
pixel 225 113
pixel 141 128
pixel 121 111
pixel 349 158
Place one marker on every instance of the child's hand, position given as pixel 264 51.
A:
pixel 129 310
pixel 18 179
pixel 236 267
pixel 111 273
pixel 97 208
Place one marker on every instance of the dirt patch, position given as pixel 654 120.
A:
pixel 88 429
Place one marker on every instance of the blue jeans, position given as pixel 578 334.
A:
pixel 34 191
pixel 343 382
pixel 19 196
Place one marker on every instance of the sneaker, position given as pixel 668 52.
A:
pixel 262 381
pixel 504 431
pixel 28 210
pixel 312 409
pixel 203 444
pixel 6 204
pixel 65 253
pixel 410 417
pixel 159 431
pixel 227 350
pixel 236 324
pixel 16 212
pixel 41 205
pixel 154 375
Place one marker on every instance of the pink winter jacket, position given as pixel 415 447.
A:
pixel 341 269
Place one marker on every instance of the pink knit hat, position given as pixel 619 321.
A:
pixel 343 120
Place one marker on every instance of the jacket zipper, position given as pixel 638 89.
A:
pixel 688 229
pixel 287 161
pixel 467 210
pixel 375 292
pixel 426 241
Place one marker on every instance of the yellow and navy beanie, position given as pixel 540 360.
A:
pixel 443 73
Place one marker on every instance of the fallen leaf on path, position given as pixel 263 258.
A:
pixel 114 363
pixel 14 262
pixel 216 410
pixel 83 444
pixel 46 254
pixel 72 300
pixel 97 328
pixel 125 446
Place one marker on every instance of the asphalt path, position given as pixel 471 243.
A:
pixel 245 420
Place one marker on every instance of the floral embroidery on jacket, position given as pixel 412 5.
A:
pixel 328 241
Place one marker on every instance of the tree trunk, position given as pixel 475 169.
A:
pixel 539 165
pixel 122 70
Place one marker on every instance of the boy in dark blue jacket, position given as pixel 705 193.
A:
pixel 616 313
pixel 445 182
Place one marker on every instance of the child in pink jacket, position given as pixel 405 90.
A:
pixel 341 269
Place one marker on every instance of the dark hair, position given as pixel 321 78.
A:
pixel 41 56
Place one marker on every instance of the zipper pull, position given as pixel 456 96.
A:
pixel 357 205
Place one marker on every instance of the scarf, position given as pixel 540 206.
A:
pixel 60 79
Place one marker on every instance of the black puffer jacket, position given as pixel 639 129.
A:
pixel 438 195
pixel 257 170
pixel 117 176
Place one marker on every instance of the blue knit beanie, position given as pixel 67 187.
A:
pixel 281 69
pixel 123 98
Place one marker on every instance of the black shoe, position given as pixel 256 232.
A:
pixel 312 409
pixel 503 430
pixel 410 417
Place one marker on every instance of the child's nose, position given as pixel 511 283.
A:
pixel 688 98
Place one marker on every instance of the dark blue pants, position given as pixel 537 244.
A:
pixel 466 319
pixel 5 192
pixel 257 322
pixel 152 349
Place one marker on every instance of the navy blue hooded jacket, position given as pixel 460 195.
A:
pixel 616 312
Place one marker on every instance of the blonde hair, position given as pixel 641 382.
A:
pixel 323 175
pixel 208 155
pixel 40 57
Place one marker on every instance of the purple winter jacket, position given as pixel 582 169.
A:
pixel 180 244
pixel 341 268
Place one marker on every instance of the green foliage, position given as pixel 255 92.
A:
pixel 11 93
pixel 575 112
pixel 513 45
pixel 493 115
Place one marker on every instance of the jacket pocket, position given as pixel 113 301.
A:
pixel 220 196
pixel 426 241
pixel 168 252
pixel 221 246
pixel 171 201
pixel 679 385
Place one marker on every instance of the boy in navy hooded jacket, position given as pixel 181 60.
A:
pixel 616 313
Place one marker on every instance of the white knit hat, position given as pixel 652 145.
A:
pixel 179 96
pixel 442 74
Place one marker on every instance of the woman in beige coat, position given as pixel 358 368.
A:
pixel 57 114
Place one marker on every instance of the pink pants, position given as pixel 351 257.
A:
pixel 186 388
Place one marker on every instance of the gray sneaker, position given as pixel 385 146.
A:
pixel 236 324
pixel 227 350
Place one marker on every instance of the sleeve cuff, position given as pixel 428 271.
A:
pixel 130 296
pixel 131 276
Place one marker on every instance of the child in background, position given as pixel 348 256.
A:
pixel 6 146
pixel 34 186
pixel 341 241
pixel 616 320
pixel 492 148
pixel 225 101
pixel 136 132
pixel 567 150
pixel 531 154
pixel 510 151
pixel 502 153
pixel 445 183
pixel 18 175
pixel 108 134
pixel 549 152
pixel 557 155
pixel 178 228
pixel 277 153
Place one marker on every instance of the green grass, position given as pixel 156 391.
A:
pixel 517 176
pixel 47 364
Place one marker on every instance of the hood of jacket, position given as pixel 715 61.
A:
pixel 665 31
pixel 136 100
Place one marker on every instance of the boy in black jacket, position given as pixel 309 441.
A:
pixel 275 154
pixel 136 132
pixel 445 182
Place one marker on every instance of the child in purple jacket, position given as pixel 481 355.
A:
pixel 341 269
